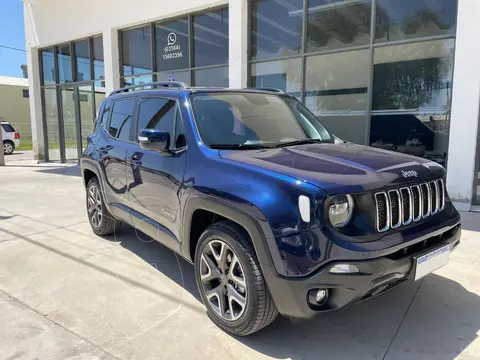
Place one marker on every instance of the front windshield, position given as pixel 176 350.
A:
pixel 253 120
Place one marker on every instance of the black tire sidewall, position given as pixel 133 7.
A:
pixel 245 260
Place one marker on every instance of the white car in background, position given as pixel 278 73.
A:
pixel 11 138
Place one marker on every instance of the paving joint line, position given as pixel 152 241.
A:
pixel 45 316
pixel 403 319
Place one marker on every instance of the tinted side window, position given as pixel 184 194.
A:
pixel 121 121
pixel 180 139
pixel 157 114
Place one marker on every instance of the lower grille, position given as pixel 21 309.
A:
pixel 401 207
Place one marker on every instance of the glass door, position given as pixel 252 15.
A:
pixel 87 112
pixel 70 125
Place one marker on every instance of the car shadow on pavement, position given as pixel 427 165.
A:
pixel 437 320
pixel 64 170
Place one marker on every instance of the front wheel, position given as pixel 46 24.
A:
pixel 230 281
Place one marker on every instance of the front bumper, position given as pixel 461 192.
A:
pixel 375 276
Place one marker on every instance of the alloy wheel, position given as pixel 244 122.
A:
pixel 95 208
pixel 7 148
pixel 223 280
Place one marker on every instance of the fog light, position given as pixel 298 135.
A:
pixel 321 295
pixel 344 269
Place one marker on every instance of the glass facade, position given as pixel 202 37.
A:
pixel 192 49
pixel 376 72
pixel 72 80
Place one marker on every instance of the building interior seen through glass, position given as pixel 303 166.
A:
pixel 345 69
pixel 72 89
pixel 199 59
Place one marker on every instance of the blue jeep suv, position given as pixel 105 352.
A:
pixel 276 213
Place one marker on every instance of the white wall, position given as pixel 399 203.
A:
pixel 465 105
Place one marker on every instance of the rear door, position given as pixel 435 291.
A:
pixel 113 147
pixel 154 179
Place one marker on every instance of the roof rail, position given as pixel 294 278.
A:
pixel 269 89
pixel 167 84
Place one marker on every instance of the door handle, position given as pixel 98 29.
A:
pixel 106 148
pixel 135 163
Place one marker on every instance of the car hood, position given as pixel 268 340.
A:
pixel 340 168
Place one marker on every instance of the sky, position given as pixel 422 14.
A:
pixel 12 35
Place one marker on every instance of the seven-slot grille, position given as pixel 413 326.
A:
pixel 402 206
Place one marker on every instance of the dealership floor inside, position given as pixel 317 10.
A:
pixel 68 294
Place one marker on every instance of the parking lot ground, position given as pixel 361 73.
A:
pixel 68 294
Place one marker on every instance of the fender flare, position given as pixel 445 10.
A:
pixel 258 230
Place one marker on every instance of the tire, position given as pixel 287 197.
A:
pixel 101 221
pixel 8 147
pixel 259 309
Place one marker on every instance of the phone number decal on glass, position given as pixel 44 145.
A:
pixel 174 55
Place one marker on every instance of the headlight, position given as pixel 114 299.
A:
pixel 340 210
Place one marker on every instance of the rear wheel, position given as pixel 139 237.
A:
pixel 230 281
pixel 8 147
pixel 101 221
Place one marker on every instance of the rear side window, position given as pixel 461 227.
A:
pixel 8 128
pixel 120 124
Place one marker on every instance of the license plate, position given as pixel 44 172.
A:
pixel 432 261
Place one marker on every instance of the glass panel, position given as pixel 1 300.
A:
pixel 283 74
pixel 85 97
pixel 121 120
pixel 51 119
pixel 171 41
pixel 69 124
pixel 99 87
pixel 276 28
pixel 138 80
pixel 48 61
pixel 137 51
pixel 336 24
pixel 210 38
pixel 211 77
pixel 183 76
pixel 64 64
pixel 407 19
pixel 157 114
pixel 83 60
pixel 98 66
pixel 412 88
pixel 336 91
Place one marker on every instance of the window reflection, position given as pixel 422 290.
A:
pixel 335 24
pixel 217 77
pixel 137 51
pixel 283 74
pixel 336 91
pixel 406 19
pixel 412 88
pixel 172 49
pixel 83 60
pixel 138 80
pixel 48 61
pixel 98 65
pixel 210 42
pixel 276 28
pixel 64 64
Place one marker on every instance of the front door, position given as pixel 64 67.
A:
pixel 154 179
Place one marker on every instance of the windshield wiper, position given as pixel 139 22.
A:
pixel 238 146
pixel 299 142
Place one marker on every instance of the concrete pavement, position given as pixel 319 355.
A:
pixel 68 294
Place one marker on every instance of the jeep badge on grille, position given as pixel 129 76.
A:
pixel 408 174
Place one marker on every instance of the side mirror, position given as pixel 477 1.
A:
pixel 158 140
